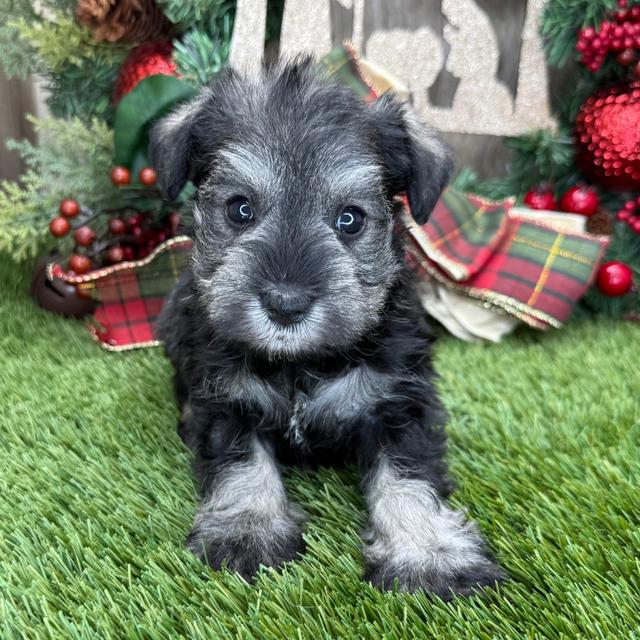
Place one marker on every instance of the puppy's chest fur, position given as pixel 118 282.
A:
pixel 298 398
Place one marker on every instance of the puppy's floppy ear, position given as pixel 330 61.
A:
pixel 174 146
pixel 416 161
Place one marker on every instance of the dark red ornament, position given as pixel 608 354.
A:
pixel 115 254
pixel 79 263
pixel 117 226
pixel 84 236
pixel 120 176
pixel 148 59
pixel 148 176
pixel 59 227
pixel 134 220
pixel 69 208
pixel 626 57
pixel 614 278
pixel 582 200
pixel 540 198
pixel 608 137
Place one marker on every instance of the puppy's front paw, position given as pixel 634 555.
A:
pixel 430 577
pixel 244 549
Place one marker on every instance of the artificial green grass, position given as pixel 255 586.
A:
pixel 96 497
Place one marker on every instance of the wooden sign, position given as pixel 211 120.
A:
pixel 458 38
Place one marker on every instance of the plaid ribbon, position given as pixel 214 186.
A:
pixel 131 294
pixel 531 270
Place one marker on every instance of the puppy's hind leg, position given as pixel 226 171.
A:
pixel 245 518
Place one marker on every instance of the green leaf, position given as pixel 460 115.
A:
pixel 150 99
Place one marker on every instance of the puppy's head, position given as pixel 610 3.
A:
pixel 294 252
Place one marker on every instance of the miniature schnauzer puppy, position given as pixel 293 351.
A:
pixel 296 334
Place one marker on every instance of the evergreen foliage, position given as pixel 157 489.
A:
pixel 72 159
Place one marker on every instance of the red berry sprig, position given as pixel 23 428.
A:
pixel 621 34
pixel 630 214
pixel 131 233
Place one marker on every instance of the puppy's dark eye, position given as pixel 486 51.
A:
pixel 239 211
pixel 350 220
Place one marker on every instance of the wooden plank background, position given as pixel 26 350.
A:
pixel 485 154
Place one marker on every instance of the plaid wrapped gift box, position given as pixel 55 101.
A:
pixel 532 270
pixel 130 294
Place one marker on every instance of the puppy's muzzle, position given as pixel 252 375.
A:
pixel 286 303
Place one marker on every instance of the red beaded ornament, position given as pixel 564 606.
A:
pixel 148 59
pixel 608 137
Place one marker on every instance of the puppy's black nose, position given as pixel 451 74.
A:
pixel 285 304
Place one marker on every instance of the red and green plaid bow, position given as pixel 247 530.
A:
pixel 531 270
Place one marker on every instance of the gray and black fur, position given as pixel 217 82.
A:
pixel 295 342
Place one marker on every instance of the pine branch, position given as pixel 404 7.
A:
pixel 17 56
pixel 60 41
pixel 191 13
pixel 201 53
pixel 72 160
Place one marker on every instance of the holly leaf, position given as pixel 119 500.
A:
pixel 150 99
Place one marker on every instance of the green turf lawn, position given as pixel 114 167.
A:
pixel 97 497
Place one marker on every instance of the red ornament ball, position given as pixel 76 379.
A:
pixel 608 137
pixel 84 236
pixel 117 226
pixel 120 176
pixel 540 198
pixel 79 263
pixel 115 254
pixel 148 176
pixel 614 278
pixel 582 200
pixel 59 227
pixel 69 208
pixel 148 59
pixel 626 57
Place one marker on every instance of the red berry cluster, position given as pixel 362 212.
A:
pixel 131 234
pixel 630 214
pixel 621 34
